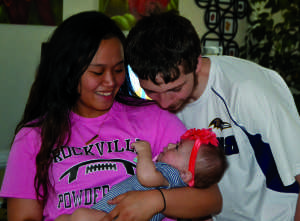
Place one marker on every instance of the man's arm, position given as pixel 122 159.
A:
pixel 146 171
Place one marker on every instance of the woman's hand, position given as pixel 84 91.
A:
pixel 135 206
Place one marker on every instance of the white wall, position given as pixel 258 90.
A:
pixel 71 7
pixel 19 57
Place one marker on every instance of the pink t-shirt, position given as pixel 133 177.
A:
pixel 81 173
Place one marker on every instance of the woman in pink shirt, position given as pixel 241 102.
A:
pixel 74 140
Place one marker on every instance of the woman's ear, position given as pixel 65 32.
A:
pixel 186 175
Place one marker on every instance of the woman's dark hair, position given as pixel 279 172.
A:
pixel 157 44
pixel 65 57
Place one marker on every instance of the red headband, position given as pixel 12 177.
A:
pixel 201 136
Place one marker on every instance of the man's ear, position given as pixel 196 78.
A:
pixel 186 175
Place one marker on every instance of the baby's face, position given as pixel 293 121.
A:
pixel 177 155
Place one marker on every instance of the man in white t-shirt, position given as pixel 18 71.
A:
pixel 249 107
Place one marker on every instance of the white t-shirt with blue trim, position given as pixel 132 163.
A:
pixel 252 111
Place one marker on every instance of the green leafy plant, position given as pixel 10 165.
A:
pixel 273 39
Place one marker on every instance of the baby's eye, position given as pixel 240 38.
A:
pixel 177 145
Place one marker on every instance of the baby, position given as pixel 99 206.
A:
pixel 195 161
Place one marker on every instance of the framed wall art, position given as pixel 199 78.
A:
pixel 221 20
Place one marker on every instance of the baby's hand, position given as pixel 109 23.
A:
pixel 142 148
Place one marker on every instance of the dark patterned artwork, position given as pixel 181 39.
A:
pixel 221 19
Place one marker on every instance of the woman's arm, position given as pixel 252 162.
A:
pixel 24 210
pixel 182 202
pixel 191 202
pixel 82 214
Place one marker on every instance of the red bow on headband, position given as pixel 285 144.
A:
pixel 201 136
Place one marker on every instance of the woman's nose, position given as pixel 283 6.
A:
pixel 109 78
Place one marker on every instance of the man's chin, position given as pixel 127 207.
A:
pixel 175 109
